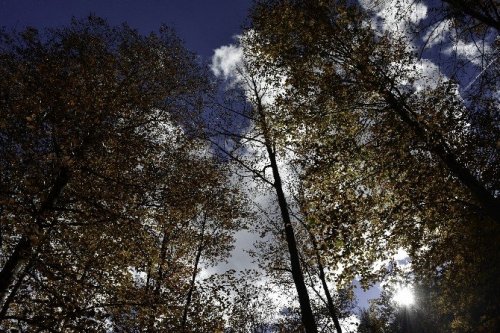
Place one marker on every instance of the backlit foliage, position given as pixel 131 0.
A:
pixel 107 201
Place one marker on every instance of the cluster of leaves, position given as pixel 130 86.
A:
pixel 111 203
pixel 108 202
pixel 385 165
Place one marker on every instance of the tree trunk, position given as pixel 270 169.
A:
pixel 159 280
pixel 195 272
pixel 436 144
pixel 12 271
pixel 329 299
pixel 16 264
pixel 297 274
pixel 12 294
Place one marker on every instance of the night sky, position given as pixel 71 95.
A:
pixel 203 24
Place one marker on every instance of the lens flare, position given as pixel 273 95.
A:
pixel 404 296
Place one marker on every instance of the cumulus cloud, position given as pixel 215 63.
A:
pixel 230 64
pixel 226 61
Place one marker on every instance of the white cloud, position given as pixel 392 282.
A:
pixel 469 51
pixel 396 15
pixel 230 63
pixel 226 60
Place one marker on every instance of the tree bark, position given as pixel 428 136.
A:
pixel 298 277
pixel 12 270
pixel 436 144
pixel 159 280
pixel 12 294
pixel 297 274
pixel 329 299
pixel 199 251
pixel 15 265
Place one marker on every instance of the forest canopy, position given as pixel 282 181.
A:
pixel 129 170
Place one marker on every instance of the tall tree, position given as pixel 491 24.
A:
pixel 260 151
pixel 329 43
pixel 390 165
pixel 261 134
pixel 99 168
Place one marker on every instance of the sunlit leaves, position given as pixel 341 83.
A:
pixel 380 154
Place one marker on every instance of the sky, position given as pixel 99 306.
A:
pixel 204 25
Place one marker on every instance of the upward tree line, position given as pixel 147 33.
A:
pixel 120 171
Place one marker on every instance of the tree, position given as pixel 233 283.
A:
pixel 102 177
pixel 260 151
pixel 389 165
pixel 353 57
pixel 263 136
pixel 250 308
pixel 486 12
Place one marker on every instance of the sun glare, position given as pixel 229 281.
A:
pixel 404 296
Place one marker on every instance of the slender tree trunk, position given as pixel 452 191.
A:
pixel 297 274
pixel 12 294
pixel 18 260
pixel 163 256
pixel 322 276
pixel 159 278
pixel 329 299
pixel 148 277
pixel 13 270
pixel 195 272
pixel 436 144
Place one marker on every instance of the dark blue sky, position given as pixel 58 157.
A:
pixel 203 24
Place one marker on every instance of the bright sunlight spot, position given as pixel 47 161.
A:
pixel 404 296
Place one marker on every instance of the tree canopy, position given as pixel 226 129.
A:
pixel 387 163
pixel 128 171
pixel 104 185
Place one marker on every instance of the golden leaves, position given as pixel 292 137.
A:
pixel 93 100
